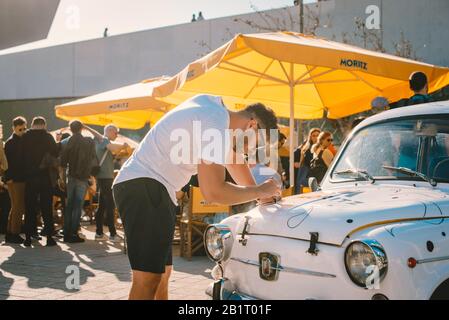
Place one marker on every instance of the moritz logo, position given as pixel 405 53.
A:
pixel 118 106
pixel 354 64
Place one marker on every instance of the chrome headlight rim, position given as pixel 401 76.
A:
pixel 379 254
pixel 225 236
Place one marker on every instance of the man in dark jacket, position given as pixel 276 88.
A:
pixel 15 180
pixel 420 87
pixel 40 150
pixel 78 155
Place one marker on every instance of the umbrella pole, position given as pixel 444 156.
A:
pixel 292 127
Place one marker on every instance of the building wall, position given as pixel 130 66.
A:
pixel 23 21
pixel 84 68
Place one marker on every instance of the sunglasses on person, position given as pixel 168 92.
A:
pixel 22 129
pixel 330 140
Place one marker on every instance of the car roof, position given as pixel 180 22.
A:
pixel 440 107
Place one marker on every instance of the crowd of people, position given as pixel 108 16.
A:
pixel 36 168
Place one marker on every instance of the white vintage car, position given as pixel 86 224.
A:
pixel 378 228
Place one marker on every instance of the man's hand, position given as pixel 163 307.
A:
pixel 269 192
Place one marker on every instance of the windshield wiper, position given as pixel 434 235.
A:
pixel 360 173
pixel 412 173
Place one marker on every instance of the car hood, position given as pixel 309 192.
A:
pixel 337 213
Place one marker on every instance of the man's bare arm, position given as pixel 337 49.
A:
pixel 215 189
pixel 97 136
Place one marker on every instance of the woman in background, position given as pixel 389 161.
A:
pixel 322 156
pixel 303 157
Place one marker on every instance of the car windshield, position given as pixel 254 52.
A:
pixel 416 149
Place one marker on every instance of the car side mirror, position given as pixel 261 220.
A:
pixel 313 184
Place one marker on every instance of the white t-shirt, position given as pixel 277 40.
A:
pixel 197 129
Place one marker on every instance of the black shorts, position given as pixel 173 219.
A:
pixel 148 216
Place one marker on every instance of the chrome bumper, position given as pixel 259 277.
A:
pixel 223 289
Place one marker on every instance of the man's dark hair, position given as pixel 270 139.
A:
pixel 18 121
pixel 418 81
pixel 266 118
pixel 76 126
pixel 39 121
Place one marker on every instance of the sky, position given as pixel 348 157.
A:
pixel 78 20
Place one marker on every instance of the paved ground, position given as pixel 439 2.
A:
pixel 40 272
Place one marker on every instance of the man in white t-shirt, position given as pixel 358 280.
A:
pixel 194 138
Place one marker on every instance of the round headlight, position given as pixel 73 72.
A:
pixel 364 261
pixel 218 242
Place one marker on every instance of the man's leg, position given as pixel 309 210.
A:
pixel 46 200
pixel 15 220
pixel 12 213
pixel 145 209
pixel 30 209
pixel 101 207
pixel 110 206
pixel 5 208
pixel 80 193
pixel 144 285
pixel 68 213
pixel 162 289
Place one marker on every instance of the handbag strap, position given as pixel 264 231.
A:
pixel 104 157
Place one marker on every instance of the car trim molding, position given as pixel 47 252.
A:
pixel 385 222
pixel 287 237
pixel 436 259
pixel 288 269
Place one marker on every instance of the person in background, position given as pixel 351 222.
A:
pixel 78 155
pixel 5 204
pixel 419 85
pixel 303 157
pixel 15 180
pixel 283 161
pixel 322 156
pixel 105 148
pixel 39 150
pixel 3 160
pixel 420 88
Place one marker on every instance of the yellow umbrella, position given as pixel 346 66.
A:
pixel 128 107
pixel 298 76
